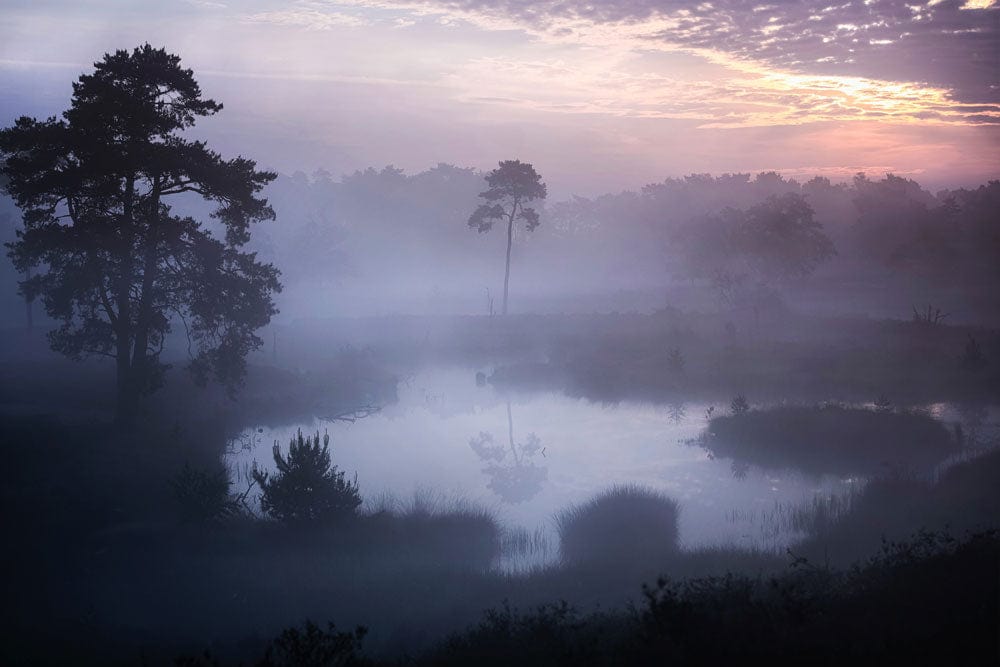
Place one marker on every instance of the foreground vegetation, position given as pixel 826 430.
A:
pixel 930 600
pixel 109 519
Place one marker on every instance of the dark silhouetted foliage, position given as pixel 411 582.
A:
pixel 116 265
pixel 930 316
pixel 925 601
pixel 314 647
pixel 202 496
pixel 307 486
pixel 310 646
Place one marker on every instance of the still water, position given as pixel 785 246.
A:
pixel 527 456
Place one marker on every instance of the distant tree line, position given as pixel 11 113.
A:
pixel 700 228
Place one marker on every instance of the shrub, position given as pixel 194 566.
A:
pixel 627 523
pixel 930 316
pixel 307 486
pixel 740 405
pixel 202 496
pixel 549 634
pixel 927 600
pixel 314 647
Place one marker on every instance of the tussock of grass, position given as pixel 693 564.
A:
pixel 625 524
pixel 431 529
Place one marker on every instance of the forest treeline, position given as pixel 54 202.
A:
pixel 398 242
pixel 889 231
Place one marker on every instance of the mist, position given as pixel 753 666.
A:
pixel 384 333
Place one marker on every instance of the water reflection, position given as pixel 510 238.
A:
pixel 568 450
pixel 516 478
pixel 676 412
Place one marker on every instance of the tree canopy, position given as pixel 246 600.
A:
pixel 771 243
pixel 116 267
pixel 781 240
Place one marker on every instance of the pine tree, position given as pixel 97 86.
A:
pixel 307 486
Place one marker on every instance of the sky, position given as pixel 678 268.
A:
pixel 599 96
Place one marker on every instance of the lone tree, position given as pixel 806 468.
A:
pixel 116 264
pixel 512 184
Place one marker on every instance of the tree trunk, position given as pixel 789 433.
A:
pixel 510 435
pixel 140 356
pixel 127 400
pixel 28 302
pixel 506 275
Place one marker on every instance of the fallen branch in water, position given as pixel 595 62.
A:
pixel 352 415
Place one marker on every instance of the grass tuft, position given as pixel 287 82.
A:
pixel 625 524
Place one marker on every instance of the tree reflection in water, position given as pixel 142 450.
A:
pixel 676 412
pixel 514 475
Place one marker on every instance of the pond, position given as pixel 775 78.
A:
pixel 528 456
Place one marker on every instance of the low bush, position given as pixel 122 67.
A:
pixel 430 531
pixel 202 496
pixel 312 646
pixel 925 601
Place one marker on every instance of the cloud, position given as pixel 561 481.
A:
pixel 752 98
pixel 944 44
pixel 206 4
pixel 307 15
